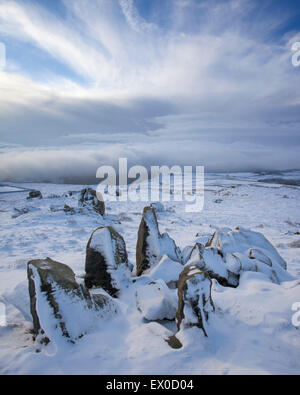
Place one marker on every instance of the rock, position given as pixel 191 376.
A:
pixel 35 195
pixel 167 270
pixel 156 302
pixel 245 250
pixel 211 261
pixel 69 210
pixel 256 253
pixel 218 200
pixel 151 245
pixel 88 198
pixel 23 211
pixel 186 253
pixel 241 240
pixel 59 306
pixel 174 342
pixel 194 299
pixel 106 262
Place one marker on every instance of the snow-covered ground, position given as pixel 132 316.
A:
pixel 251 331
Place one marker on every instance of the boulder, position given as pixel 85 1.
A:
pixel 88 199
pixel 244 250
pixel 241 240
pixel 151 245
pixel 195 303
pixel 59 306
pixel 35 195
pixel 106 264
pixel 156 302
pixel 211 261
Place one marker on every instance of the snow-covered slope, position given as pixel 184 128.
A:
pixel 251 330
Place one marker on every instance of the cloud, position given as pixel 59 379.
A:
pixel 212 79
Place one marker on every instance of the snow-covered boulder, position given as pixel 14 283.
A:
pixel 194 299
pixel 243 240
pixel 167 270
pixel 60 307
pixel 244 250
pixel 88 199
pixel 106 264
pixel 151 245
pixel 156 301
pixel 211 261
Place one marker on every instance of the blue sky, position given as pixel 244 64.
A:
pixel 89 81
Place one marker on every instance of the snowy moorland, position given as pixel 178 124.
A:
pixel 249 323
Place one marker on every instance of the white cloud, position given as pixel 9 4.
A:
pixel 206 80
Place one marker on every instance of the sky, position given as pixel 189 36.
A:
pixel 160 82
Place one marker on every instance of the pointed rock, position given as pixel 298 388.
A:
pixel 106 262
pixel 151 245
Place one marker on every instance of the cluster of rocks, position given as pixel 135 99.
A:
pixel 226 255
pixel 35 195
pixel 170 284
pixel 59 305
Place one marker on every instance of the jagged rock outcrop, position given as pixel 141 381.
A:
pixel 107 263
pixel 195 303
pixel 155 301
pixel 60 307
pixel 151 245
pixel 88 199
pixel 35 195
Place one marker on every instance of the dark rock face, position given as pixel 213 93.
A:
pixel 53 290
pixel 151 245
pixel 88 198
pixel 35 195
pixel 174 342
pixel 106 263
pixel 144 255
pixel 194 299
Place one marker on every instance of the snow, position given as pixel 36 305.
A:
pixel 167 270
pixel 251 330
pixel 156 302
